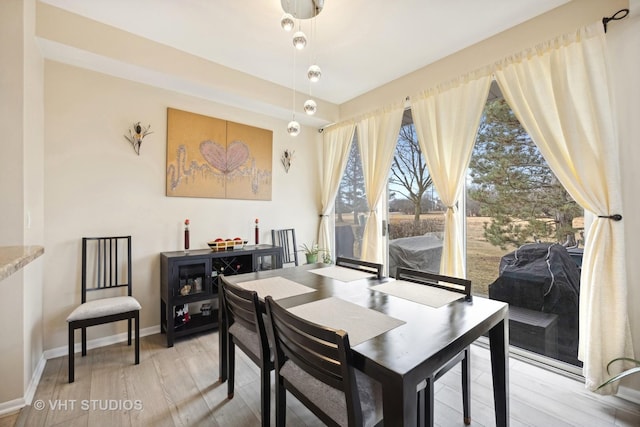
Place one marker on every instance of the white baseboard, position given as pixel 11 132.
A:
pixel 35 380
pixel 7 408
pixel 15 405
pixel 629 394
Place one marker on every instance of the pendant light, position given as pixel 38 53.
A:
pixel 287 23
pixel 301 9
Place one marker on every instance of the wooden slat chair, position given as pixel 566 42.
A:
pixel 358 264
pixel 106 266
pixel 287 239
pixel 425 395
pixel 246 329
pixel 315 364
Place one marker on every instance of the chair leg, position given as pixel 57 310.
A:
pixel 129 331
pixel 428 402
pixel 71 354
pixel 137 337
pixel 223 343
pixel 281 403
pixel 231 367
pixel 466 383
pixel 420 405
pixel 84 342
pixel 265 392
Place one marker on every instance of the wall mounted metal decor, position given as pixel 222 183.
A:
pixel 286 158
pixel 136 135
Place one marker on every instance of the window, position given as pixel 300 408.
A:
pixel 416 215
pixel 523 236
pixel 351 206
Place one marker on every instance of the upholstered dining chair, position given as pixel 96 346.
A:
pixel 358 264
pixel 246 329
pixel 106 269
pixel 286 238
pixel 315 364
pixel 454 284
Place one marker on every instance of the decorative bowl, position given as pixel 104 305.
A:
pixel 226 245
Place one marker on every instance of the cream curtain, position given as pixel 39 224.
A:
pixel 560 93
pixel 446 121
pixel 336 143
pixel 377 137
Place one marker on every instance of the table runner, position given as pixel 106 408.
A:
pixel 422 294
pixel 277 287
pixel 342 273
pixel 359 322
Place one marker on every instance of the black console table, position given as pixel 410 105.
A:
pixel 190 279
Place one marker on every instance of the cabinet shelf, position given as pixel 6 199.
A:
pixel 196 272
pixel 196 323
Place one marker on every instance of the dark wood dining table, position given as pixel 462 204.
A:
pixel 403 357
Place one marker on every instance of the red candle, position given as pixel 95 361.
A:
pixel 186 234
pixel 257 232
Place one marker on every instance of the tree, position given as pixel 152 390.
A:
pixel 351 193
pixel 409 170
pixel 514 185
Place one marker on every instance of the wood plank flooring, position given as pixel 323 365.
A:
pixel 179 386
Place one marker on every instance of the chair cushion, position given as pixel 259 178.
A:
pixel 331 400
pixel 104 307
pixel 249 338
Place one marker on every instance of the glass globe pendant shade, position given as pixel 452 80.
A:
pixel 299 40
pixel 287 22
pixel 310 107
pixel 293 128
pixel 314 73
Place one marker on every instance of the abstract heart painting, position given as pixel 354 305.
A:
pixel 210 157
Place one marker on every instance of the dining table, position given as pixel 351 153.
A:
pixel 399 336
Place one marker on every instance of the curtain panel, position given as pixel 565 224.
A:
pixel 446 122
pixel 336 143
pixel 560 91
pixel 377 138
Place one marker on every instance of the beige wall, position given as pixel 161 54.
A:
pixel 95 184
pixel 21 173
pixel 12 190
pixel 33 197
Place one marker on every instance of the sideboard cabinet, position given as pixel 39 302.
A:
pixel 190 279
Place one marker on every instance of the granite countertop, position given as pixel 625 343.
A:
pixel 13 258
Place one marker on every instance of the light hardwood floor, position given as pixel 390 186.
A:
pixel 179 387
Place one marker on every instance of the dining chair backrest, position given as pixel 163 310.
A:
pixel 358 264
pixel 450 283
pixel 106 275
pixel 242 308
pixel 426 395
pixel 286 238
pixel 245 328
pixel 314 363
pixel 106 264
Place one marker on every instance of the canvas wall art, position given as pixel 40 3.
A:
pixel 210 157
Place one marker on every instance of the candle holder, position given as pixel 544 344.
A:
pixel 186 235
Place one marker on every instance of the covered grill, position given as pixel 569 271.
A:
pixel 543 277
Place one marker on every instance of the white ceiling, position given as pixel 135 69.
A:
pixel 359 44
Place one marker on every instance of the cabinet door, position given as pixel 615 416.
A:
pixel 267 260
pixel 191 277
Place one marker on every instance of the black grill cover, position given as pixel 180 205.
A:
pixel 543 277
